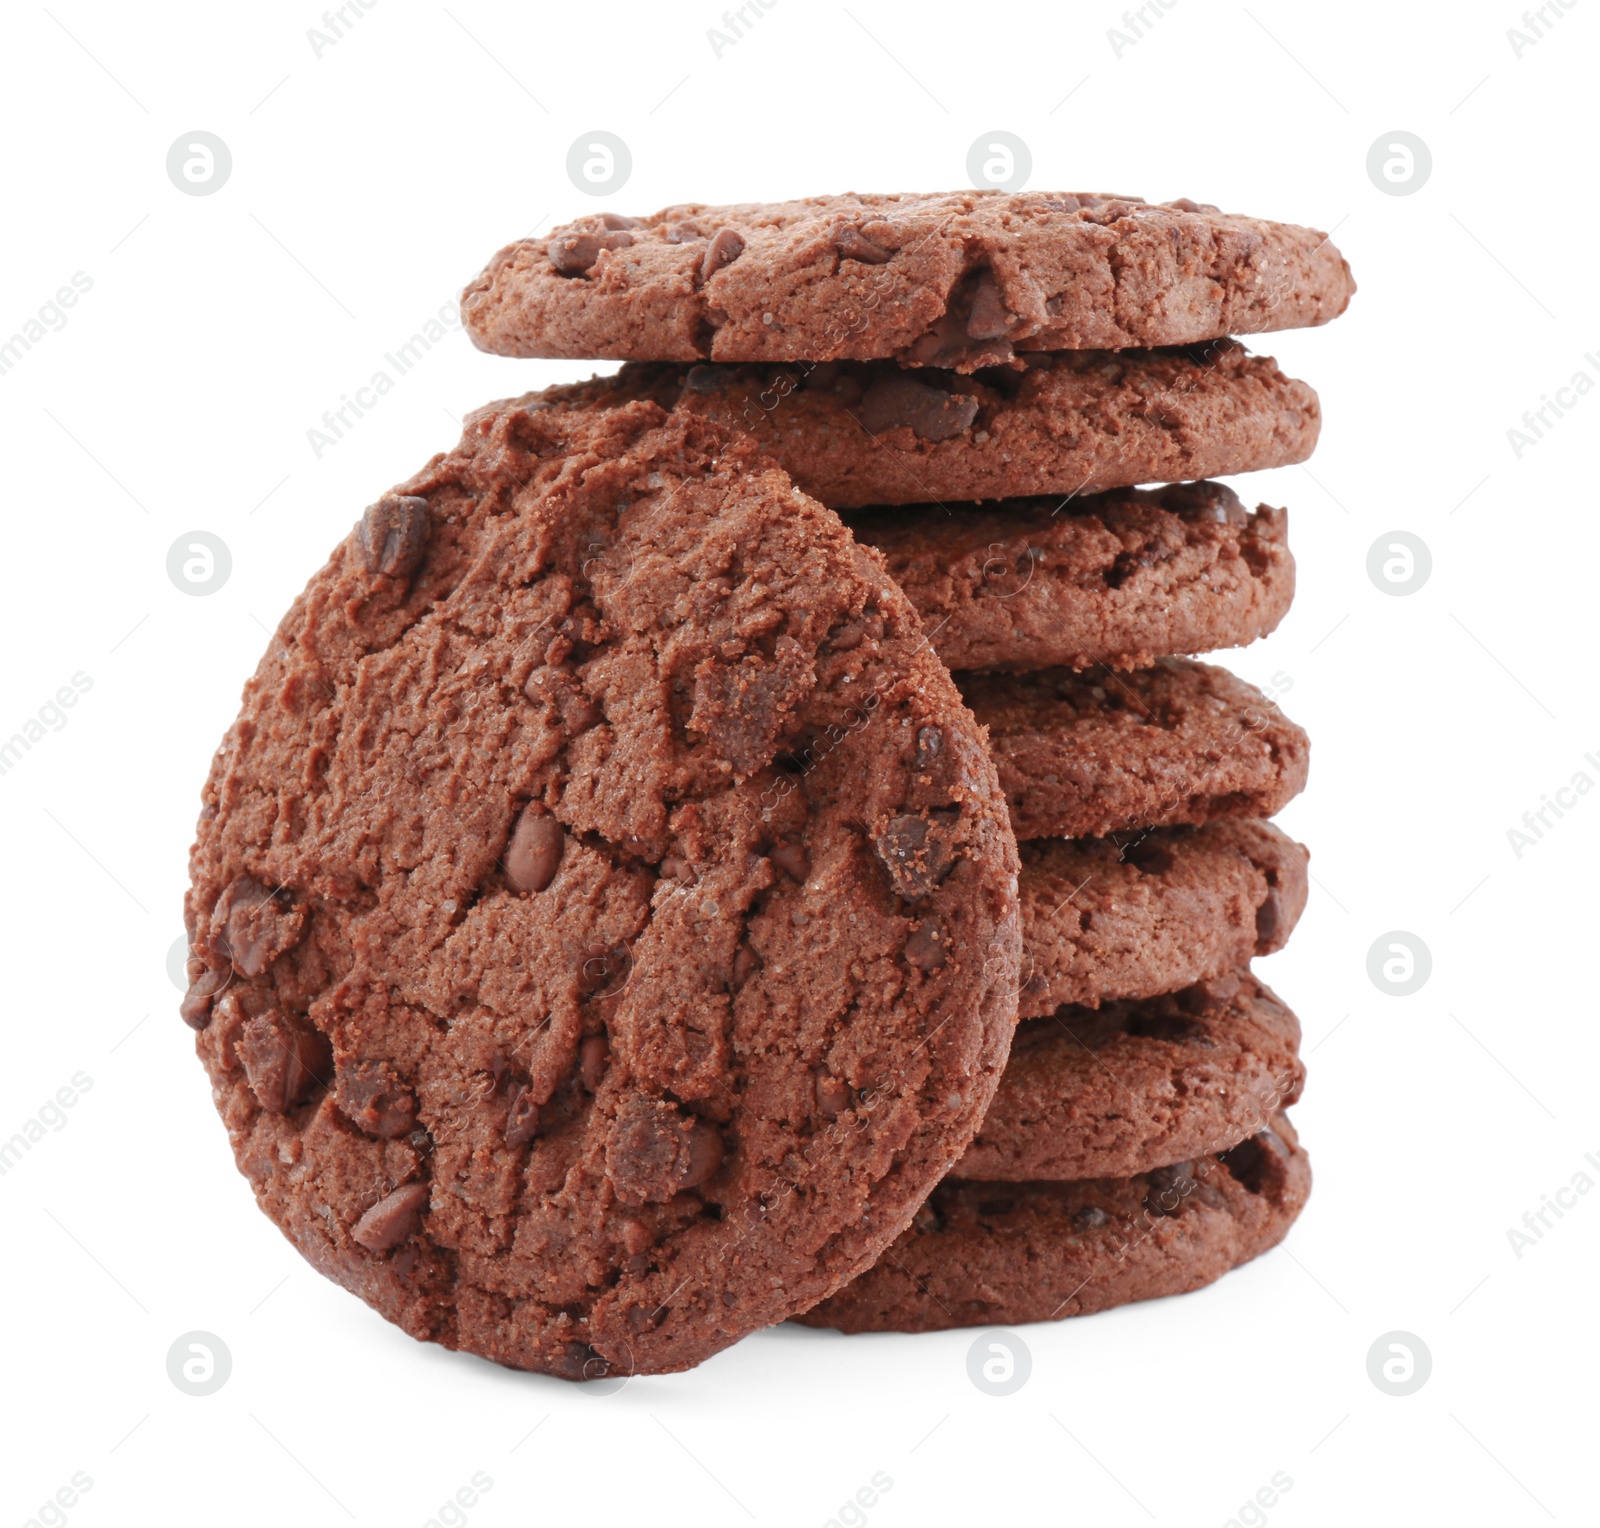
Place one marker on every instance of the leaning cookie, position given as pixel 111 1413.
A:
pixel 1069 422
pixel 1083 755
pixel 1003 1254
pixel 1112 1091
pixel 604 908
pixel 959 280
pixel 1119 578
pixel 1103 919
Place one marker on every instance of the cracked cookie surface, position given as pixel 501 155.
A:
pixel 1064 422
pixel 959 280
pixel 603 908
pixel 1119 578
pixel 1003 1254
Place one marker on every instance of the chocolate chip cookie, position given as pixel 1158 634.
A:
pixel 604 907
pixel 1118 578
pixel 1121 1089
pixel 958 280
pixel 1084 755
pixel 1066 422
pixel 1105 919
pixel 981 1254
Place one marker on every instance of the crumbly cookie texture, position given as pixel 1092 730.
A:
pixel 604 908
pixel 1119 579
pixel 958 280
pixel 1083 755
pixel 982 1254
pixel 1064 422
pixel 1149 912
pixel 1128 1087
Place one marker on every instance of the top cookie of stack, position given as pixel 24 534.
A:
pixel 959 279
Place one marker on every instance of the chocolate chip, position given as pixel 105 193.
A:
pixel 393 535
pixel 594 1056
pixel 535 849
pixel 705 1154
pixel 617 220
pixel 852 244
pixel 930 412
pixel 651 1150
pixel 195 1009
pixel 926 1221
pixel 256 924
pixel 1167 1187
pixel 745 964
pixel 1269 918
pixel 918 851
pixel 372 1095
pixel 283 1059
pixel 1088 1217
pixel 575 250
pixel 522 1117
pixel 1183 204
pixel 987 318
pixel 704 379
pixel 930 744
pixel 1149 857
pixel 391 1219
pixel 683 233
pixel 1205 501
pixel 926 949
pixel 791 860
pixel 675 868
pixel 726 245
pixel 833 1094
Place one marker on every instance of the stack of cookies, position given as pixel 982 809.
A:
pixel 744 838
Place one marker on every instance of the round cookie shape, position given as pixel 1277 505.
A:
pixel 1003 1254
pixel 1104 920
pixel 1128 1087
pixel 856 433
pixel 1083 755
pixel 958 280
pixel 1119 578
pixel 604 906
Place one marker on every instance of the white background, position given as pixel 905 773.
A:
pixel 368 185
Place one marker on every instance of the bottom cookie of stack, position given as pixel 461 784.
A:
pixel 982 1254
